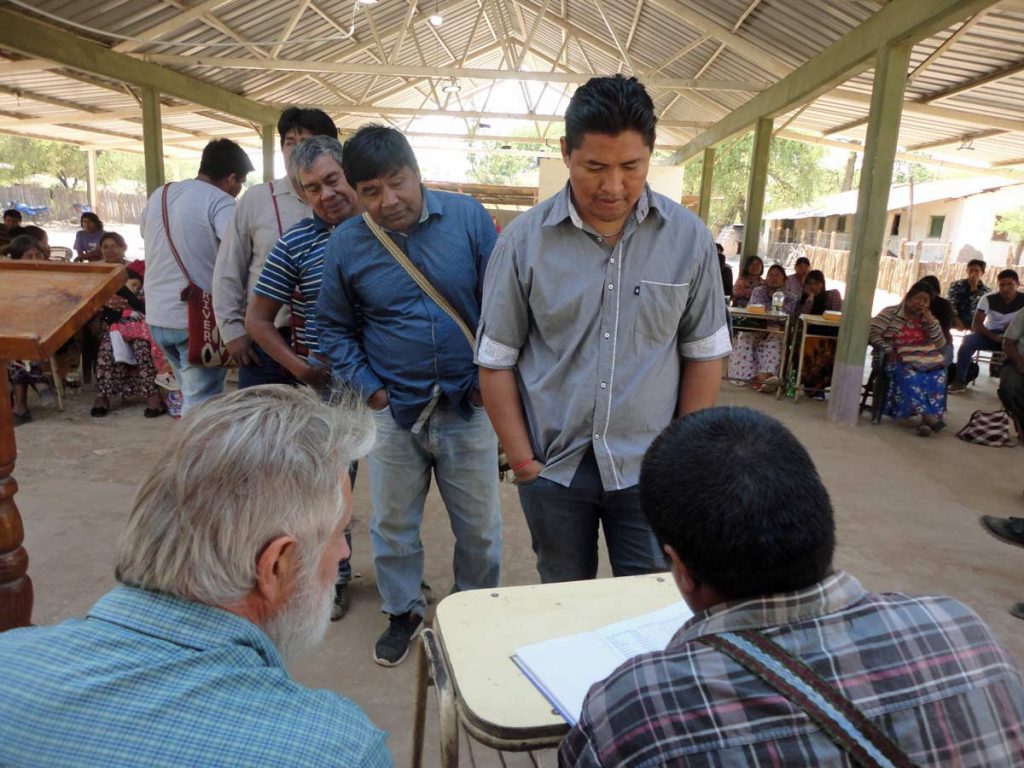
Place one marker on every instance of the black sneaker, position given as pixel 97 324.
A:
pixel 393 646
pixel 340 607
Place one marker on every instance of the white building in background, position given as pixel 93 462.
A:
pixel 954 216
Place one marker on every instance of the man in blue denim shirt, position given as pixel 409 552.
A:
pixel 414 366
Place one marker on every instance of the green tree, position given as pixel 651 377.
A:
pixel 112 167
pixel 796 175
pixel 1011 224
pixel 498 167
pixel 23 158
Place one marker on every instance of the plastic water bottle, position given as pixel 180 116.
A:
pixel 778 301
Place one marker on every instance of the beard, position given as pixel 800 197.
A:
pixel 300 626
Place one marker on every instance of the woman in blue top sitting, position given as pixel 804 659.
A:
pixel 87 240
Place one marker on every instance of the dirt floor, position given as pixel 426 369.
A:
pixel 907 511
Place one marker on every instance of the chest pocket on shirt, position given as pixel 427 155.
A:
pixel 659 309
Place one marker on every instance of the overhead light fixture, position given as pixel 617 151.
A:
pixel 436 19
pixel 966 143
pixel 452 86
pixel 481 126
pixel 506 146
pixel 367 2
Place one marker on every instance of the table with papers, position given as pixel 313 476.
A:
pixel 468 656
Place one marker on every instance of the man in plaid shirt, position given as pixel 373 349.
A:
pixel 752 550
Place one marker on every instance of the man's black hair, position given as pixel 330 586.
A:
pixel 738 498
pixel 35 231
pixel 223 157
pixel 316 121
pixel 610 105
pixel 375 151
pixel 803 260
pixel 977 263
pixel 13 213
pixel 1012 273
pixel 19 245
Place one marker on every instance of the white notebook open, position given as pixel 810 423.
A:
pixel 564 668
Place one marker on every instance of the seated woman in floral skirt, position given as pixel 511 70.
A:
pixel 755 354
pixel 912 341
pixel 125 365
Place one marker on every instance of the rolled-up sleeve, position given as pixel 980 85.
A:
pixel 504 315
pixel 338 327
pixel 703 329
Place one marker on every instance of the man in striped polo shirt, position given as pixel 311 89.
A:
pixel 291 277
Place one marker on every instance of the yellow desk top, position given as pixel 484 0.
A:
pixel 481 629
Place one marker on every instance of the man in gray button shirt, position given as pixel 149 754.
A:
pixel 602 320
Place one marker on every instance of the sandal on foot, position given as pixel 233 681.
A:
pixel 98 411
pixel 152 413
pixel 21 418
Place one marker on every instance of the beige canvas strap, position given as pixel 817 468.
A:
pixel 420 279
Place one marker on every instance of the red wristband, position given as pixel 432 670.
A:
pixel 521 465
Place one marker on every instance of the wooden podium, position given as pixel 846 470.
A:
pixel 44 303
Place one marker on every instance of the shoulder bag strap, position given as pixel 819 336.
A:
pixel 277 211
pixel 850 729
pixel 167 231
pixel 420 279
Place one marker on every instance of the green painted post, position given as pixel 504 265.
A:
pixel 891 65
pixel 758 182
pixel 91 191
pixel 707 176
pixel 152 138
pixel 269 140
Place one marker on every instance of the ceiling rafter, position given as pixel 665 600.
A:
pixel 289 27
pixel 183 18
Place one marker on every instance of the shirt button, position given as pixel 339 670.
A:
pixel 607 335
pixel 610 286
pixel 604 385
pixel 600 240
pixel 597 436
pixel 613 261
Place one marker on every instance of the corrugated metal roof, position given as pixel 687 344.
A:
pixel 666 38
pixel 844 203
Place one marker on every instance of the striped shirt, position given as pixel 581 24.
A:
pixel 292 274
pixel 147 679
pixel 926 670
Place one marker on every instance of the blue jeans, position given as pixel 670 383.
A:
pixel 564 521
pixel 464 458
pixel 197 383
pixel 269 371
pixel 971 343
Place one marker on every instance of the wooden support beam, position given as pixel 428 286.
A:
pixel 757 185
pixel 707 175
pixel 406 70
pixel 868 230
pixel 851 146
pixel 152 139
pixel 896 24
pixel 848 96
pixel 174 23
pixel 269 141
pixel 978 82
pixel 945 46
pixel 91 190
pixel 955 140
pixel 35 38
